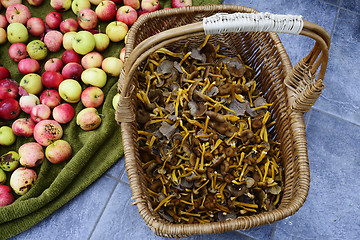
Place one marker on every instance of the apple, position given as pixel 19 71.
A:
pixel 87 19
pixel 53 65
pixel 28 102
pixel 69 25
pixel 150 5
pixel 9 88
pixel 53 20
pixel 9 109
pixel 47 131
pixel 117 1
pixel 40 112
pixel 3 36
pixel 35 3
pixel 3 21
pixel 22 179
pixel 17 32
pixel 70 90
pixel 102 41
pixel 2 179
pixel 23 127
pixel 4 72
pixel 116 100
pixel 106 11
pixel 94 76
pixel 59 151
pixel 7 136
pixel 78 5
pixel 116 31
pixel 17 13
pixel 112 66
pixel 17 51
pixel 67 40
pixel 83 42
pixel 28 65
pixel 32 83
pixel 127 15
pixel 31 154
pixel 51 79
pixel 122 54
pixel 37 50
pixel 9 161
pixel 92 97
pixel 92 60
pixel 72 71
pixel 70 56
pixel 95 2
pixel 53 40
pixel 6 197
pixel 135 4
pixel 181 3
pixel 63 113
pixel 35 26
pixel 88 119
pixel 60 5
pixel 50 97
pixel 7 3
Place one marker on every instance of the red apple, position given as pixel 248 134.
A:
pixel 127 15
pixel 122 54
pixel 53 40
pixel 106 11
pixel 87 19
pixel 9 88
pixel 72 71
pixel 8 3
pixel 35 26
pixel 27 102
pixel 63 113
pixel 17 13
pixel 6 197
pixel 54 65
pixel 92 97
pixel 53 20
pixel 47 131
pixel 17 51
pixel 28 65
pixel 135 4
pixel 58 151
pixel 88 119
pixel 35 3
pixel 92 60
pixel 23 127
pixel 9 109
pixel 31 154
pixel 69 25
pixel 181 3
pixel 4 73
pixel 51 79
pixel 40 112
pixel 50 97
pixel 3 22
pixel 70 56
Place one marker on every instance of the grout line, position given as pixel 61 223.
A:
pixel 102 211
pixel 335 116
pixel 307 117
pixel 336 18
pixel 331 4
pixel 273 231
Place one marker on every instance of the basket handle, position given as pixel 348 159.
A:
pixel 301 96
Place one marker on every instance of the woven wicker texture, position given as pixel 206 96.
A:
pixel 291 90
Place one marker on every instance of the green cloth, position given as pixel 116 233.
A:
pixel 94 152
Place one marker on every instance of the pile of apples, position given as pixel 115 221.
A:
pixel 45 94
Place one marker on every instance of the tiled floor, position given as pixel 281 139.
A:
pixel 103 211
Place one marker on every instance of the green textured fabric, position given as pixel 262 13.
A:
pixel 94 152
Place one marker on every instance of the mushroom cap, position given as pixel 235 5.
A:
pixel 197 109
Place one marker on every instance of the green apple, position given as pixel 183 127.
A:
pixel 112 66
pixel 83 42
pixel 37 50
pixel 32 83
pixel 116 31
pixel 102 41
pixel 116 100
pixel 78 5
pixel 67 40
pixel 2 177
pixel 7 136
pixel 94 76
pixel 70 90
pixel 17 32
pixel 9 161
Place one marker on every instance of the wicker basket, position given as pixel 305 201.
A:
pixel 291 90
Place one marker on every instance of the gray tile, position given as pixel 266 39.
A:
pixel 332 206
pixel 124 177
pixel 341 94
pixel 262 232
pixel 117 169
pixel 353 5
pixel 76 219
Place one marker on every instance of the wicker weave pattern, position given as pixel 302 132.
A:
pixel 291 98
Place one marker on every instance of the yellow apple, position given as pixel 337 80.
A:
pixel 70 90
pixel 94 76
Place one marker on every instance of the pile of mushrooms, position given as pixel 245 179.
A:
pixel 204 138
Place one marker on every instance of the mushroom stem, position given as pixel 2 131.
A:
pixel 206 124
pixel 165 200
pixel 205 42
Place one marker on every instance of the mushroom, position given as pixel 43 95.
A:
pixel 236 67
pixel 165 67
pixel 236 191
pixel 197 109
